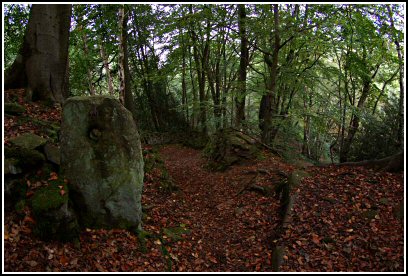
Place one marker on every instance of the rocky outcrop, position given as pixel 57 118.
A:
pixel 229 146
pixel 102 159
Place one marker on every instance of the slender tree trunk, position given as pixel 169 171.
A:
pixel 400 137
pixel 88 66
pixel 354 122
pixel 194 120
pixel 41 65
pixel 224 91
pixel 183 79
pixel 107 69
pixel 125 92
pixel 306 127
pixel 243 64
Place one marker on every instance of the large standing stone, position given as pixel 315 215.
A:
pixel 102 159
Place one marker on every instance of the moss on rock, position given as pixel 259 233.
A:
pixel 28 141
pixel 26 158
pixel 49 197
pixel 228 147
pixel 101 156
pixel 54 217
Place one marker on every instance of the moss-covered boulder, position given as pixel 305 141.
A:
pixel 26 159
pixel 13 109
pixel 102 159
pixel 54 217
pixel 229 146
pixel 28 141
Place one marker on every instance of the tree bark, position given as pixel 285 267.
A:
pixel 125 92
pixel 243 64
pixel 355 119
pixel 268 106
pixel 88 69
pixel 400 137
pixel 107 69
pixel 201 59
pixel 183 77
pixel 41 65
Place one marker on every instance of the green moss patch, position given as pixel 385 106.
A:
pixel 50 197
pixel 54 218
pixel 28 141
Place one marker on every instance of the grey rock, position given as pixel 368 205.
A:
pixel 102 159
pixel 52 153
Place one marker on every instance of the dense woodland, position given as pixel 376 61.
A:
pixel 318 87
pixel 326 78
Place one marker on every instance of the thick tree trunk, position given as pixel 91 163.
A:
pixel 41 65
pixel 268 105
pixel 243 64
pixel 201 60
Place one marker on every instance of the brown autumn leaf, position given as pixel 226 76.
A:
pixel 315 239
pixel 212 259
pixel 63 260
pixel 53 176
pixel 350 238
pixel 29 219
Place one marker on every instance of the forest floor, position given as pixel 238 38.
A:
pixel 342 220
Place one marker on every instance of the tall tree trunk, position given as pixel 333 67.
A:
pixel 107 69
pixel 243 64
pixel 400 137
pixel 201 59
pixel 183 77
pixel 194 117
pixel 41 65
pixel 355 119
pixel 268 106
pixel 307 104
pixel 88 69
pixel 125 92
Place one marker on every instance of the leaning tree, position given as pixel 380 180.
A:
pixel 41 65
